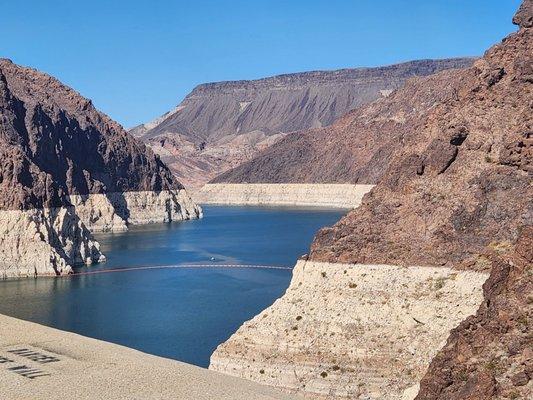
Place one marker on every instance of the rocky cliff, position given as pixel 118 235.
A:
pixel 356 148
pixel 489 355
pixel 460 176
pixel 67 169
pixel 220 125
pixel 453 158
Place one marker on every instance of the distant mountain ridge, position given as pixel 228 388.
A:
pixel 220 125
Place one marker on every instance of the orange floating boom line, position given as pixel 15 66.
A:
pixel 176 266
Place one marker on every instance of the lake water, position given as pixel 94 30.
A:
pixel 182 313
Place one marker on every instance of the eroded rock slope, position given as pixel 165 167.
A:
pixel 67 169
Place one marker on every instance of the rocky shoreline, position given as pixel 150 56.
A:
pixel 113 212
pixel 51 241
pixel 44 242
pixel 452 156
pixel 286 194
pixel 352 330
pixel 69 170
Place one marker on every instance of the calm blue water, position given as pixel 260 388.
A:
pixel 177 313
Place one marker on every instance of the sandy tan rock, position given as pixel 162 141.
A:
pixel 44 242
pixel 312 195
pixel 115 211
pixel 357 331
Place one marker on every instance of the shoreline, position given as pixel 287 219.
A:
pixel 51 241
pixel 39 362
pixel 325 195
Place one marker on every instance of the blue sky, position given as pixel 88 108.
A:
pixel 138 59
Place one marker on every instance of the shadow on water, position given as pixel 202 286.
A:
pixel 178 313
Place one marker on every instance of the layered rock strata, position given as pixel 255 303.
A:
pixel 68 169
pixel 490 354
pixel 115 211
pixel 221 125
pixel 309 195
pixel 352 330
pixel 44 242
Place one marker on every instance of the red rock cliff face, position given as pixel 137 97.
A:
pixel 53 143
pixel 357 148
pixel 460 172
pixel 490 355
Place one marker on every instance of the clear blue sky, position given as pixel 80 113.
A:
pixel 137 59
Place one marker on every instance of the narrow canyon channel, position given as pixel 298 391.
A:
pixel 182 313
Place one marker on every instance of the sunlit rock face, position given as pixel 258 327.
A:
pixel 68 169
pixel 379 293
pixel 352 330
pixel 221 125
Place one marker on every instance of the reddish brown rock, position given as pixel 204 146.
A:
pixel 53 143
pixel 460 174
pixel 357 148
pixel 221 125
pixel 490 354
pixel 66 169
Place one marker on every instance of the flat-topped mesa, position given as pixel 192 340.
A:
pixel 452 155
pixel 68 169
pixel 356 148
pixel 220 125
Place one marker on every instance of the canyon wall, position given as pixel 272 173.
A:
pixel 115 211
pixel 221 125
pixel 67 170
pixel 309 195
pixel 452 156
pixel 44 242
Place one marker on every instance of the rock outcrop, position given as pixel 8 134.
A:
pixel 490 355
pixel 44 242
pixel 357 147
pixel 67 169
pixel 220 125
pixel 461 179
pixel 352 331
pixel 452 156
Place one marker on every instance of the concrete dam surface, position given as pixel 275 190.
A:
pixel 37 362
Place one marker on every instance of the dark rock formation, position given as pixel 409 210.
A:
pixel 220 125
pixel 357 148
pixel 460 172
pixel 53 143
pixel 66 169
pixel 490 355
